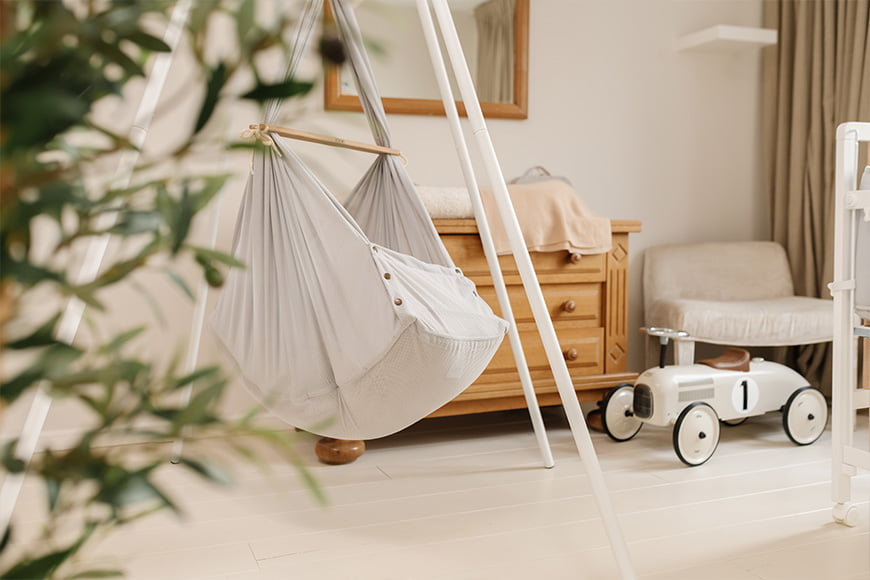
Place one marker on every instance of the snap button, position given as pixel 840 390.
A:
pixel 397 301
pixel 387 275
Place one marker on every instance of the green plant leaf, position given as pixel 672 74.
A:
pixel 204 256
pixel 120 270
pixel 45 566
pixel 4 540
pixel 138 489
pixel 42 336
pixel 103 375
pixel 13 388
pixel 150 300
pixel 97 405
pixel 213 277
pixel 114 54
pixel 195 376
pixel 148 42
pixel 265 92
pixel 244 20
pixel 11 463
pixel 59 111
pixel 312 485
pixel 217 77
pixel 57 358
pixel 139 222
pixel 210 470
pixel 212 186
pixel 28 274
pixel 179 281
pixel 198 410
pixel 126 192
pixel 52 363
pixel 37 568
pixel 52 490
pixel 98 574
pixel 120 340
pixel 183 217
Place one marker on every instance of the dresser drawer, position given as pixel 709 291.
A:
pixel 550 267
pixel 581 347
pixel 580 302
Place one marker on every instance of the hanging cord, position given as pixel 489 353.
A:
pixel 255 133
pixel 302 34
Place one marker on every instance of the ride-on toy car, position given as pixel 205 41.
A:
pixel 696 398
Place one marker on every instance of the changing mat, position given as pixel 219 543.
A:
pixel 446 202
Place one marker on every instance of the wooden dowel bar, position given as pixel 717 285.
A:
pixel 325 139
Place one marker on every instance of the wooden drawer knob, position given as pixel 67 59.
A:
pixel 569 306
pixel 574 258
pixel 570 354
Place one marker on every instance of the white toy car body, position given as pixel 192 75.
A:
pixel 661 394
pixel 695 398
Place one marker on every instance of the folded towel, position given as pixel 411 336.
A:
pixel 552 217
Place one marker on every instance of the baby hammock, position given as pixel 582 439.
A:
pixel 350 322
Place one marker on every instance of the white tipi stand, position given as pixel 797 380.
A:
pixel 518 247
pixel 72 315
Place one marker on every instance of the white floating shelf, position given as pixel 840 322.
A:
pixel 727 36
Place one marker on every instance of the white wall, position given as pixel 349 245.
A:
pixel 643 131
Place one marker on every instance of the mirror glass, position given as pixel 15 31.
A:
pixel 494 37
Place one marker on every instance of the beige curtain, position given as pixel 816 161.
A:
pixel 495 51
pixel 817 77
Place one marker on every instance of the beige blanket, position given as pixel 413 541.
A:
pixel 552 217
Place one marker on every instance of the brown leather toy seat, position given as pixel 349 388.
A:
pixel 732 359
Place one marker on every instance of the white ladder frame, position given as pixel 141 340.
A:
pixel 846 397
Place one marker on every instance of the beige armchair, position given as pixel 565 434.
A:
pixel 729 293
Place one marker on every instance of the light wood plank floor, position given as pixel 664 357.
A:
pixel 467 498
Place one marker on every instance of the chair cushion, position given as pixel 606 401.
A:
pixel 770 322
pixel 746 270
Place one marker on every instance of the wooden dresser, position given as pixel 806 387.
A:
pixel 588 303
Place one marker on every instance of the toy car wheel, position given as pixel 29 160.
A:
pixel 805 415
pixel 696 433
pixel 617 417
pixel 734 422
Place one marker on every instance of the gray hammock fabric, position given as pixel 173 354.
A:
pixel 348 322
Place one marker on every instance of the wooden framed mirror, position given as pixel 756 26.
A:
pixel 402 67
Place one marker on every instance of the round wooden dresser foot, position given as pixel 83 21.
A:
pixel 338 451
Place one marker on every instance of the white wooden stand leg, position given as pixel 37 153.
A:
pixel 197 325
pixel 486 237
pixel 530 283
